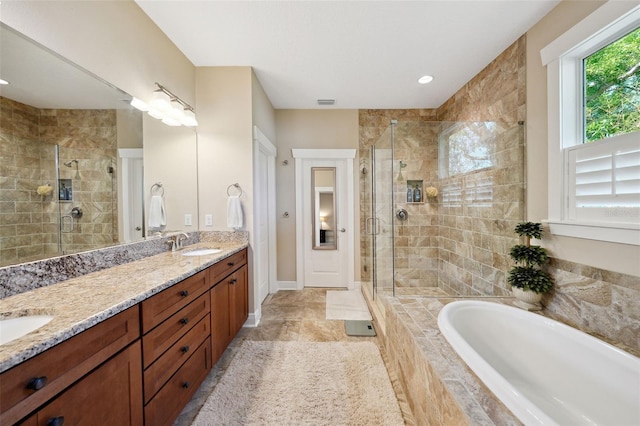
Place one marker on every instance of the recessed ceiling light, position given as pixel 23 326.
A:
pixel 425 79
pixel 3 81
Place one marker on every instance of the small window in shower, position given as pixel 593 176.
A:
pixel 466 147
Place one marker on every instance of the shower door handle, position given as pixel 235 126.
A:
pixel 376 227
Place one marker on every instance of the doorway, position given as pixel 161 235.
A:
pixel 324 218
pixel 264 217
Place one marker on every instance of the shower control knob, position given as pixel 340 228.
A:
pixel 402 214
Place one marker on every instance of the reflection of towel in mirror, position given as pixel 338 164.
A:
pixel 234 212
pixel 157 215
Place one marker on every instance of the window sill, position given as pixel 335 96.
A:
pixel 611 232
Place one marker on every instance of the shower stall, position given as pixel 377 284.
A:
pixel 439 204
pixel 65 201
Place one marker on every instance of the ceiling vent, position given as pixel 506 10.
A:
pixel 326 101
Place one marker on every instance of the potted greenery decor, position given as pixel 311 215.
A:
pixel 528 281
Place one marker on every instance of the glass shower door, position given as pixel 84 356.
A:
pixel 381 222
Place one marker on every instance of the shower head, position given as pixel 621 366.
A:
pixel 69 163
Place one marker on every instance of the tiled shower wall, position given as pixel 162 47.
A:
pixel 28 221
pixel 472 244
pixel 458 241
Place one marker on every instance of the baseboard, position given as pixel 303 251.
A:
pixel 254 318
pixel 287 285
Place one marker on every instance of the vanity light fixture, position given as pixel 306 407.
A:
pixel 169 108
pixel 3 82
pixel 425 79
pixel 138 104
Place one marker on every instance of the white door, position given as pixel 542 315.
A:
pixel 324 235
pixel 131 175
pixel 264 254
pixel 263 229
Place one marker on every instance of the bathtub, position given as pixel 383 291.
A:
pixel 545 372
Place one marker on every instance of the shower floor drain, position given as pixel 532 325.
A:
pixel 359 328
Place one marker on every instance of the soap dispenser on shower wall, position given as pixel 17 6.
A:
pixel 417 195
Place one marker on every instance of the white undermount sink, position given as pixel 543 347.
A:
pixel 201 252
pixel 14 328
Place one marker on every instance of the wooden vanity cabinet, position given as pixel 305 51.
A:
pixel 49 376
pixel 176 347
pixel 142 366
pixel 229 301
pixel 109 395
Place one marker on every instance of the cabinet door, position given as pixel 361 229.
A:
pixel 220 330
pixel 238 299
pixel 110 395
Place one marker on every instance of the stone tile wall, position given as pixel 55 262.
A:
pixel 460 240
pixel 600 302
pixel 29 222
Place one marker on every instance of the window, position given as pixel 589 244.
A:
pixel 611 89
pixel 593 78
pixel 466 147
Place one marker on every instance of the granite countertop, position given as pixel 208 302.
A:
pixel 79 303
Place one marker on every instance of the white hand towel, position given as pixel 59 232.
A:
pixel 234 212
pixel 157 215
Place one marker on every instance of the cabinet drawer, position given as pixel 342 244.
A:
pixel 164 304
pixel 226 266
pixel 169 402
pixel 63 364
pixel 158 340
pixel 161 370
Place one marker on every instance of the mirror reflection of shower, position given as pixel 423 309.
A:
pixel 402 166
pixel 69 164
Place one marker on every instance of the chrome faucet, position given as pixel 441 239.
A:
pixel 179 239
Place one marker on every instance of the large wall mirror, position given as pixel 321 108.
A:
pixel 71 148
pixel 323 182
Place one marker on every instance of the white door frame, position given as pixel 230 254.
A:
pixel 262 144
pixel 325 154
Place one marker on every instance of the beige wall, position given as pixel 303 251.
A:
pixel 115 40
pixel 610 256
pixel 264 116
pixel 310 129
pixel 170 158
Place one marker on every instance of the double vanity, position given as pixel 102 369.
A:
pixel 125 345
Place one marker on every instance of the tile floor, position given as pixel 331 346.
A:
pixel 287 316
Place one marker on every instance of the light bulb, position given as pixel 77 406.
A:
pixel 160 102
pixel 170 121
pixel 138 104
pixel 189 119
pixel 155 113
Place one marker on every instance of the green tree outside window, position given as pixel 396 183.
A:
pixel 612 89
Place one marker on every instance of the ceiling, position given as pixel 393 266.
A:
pixel 363 54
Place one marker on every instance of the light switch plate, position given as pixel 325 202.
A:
pixel 188 219
pixel 208 220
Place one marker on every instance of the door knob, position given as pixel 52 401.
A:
pixel 343 230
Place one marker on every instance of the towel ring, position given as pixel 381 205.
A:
pixel 234 185
pixel 157 187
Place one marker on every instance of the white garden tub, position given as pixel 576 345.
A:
pixel 545 372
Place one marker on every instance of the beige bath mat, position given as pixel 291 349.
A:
pixel 303 383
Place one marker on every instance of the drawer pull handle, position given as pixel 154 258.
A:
pixel 37 383
pixel 184 293
pixel 233 281
pixel 186 385
pixel 56 421
pixel 230 263
pixel 184 321
pixel 184 349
